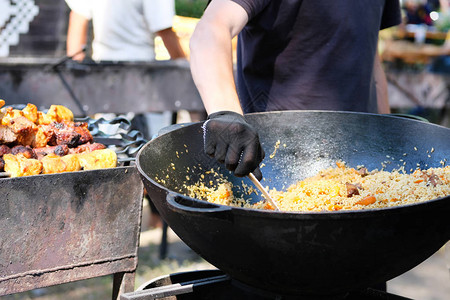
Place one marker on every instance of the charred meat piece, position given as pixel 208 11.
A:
pixel 4 150
pixel 363 172
pixel 45 135
pixel 71 134
pixel 2 164
pixel 88 147
pixel 26 151
pixel 65 135
pixel 434 180
pixel 82 129
pixel 59 150
pixel 352 190
pixel 24 129
pixel 7 135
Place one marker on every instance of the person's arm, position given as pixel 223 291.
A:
pixel 76 35
pixel 211 55
pixel 381 86
pixel 227 136
pixel 172 43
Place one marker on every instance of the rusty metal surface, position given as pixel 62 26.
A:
pixel 70 226
pixel 107 87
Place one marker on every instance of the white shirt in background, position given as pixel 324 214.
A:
pixel 124 30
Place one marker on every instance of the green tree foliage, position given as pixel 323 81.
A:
pixel 190 8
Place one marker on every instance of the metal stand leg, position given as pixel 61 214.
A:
pixel 164 245
pixel 122 283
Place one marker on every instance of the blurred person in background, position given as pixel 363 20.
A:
pixel 418 12
pixel 444 6
pixel 124 30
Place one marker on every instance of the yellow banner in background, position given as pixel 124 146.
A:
pixel 184 27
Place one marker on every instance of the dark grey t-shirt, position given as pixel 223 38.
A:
pixel 311 54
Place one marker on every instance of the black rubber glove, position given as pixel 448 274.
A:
pixel 232 141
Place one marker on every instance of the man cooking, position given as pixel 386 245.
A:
pixel 291 55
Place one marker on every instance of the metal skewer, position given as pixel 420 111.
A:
pixel 4 174
pixel 263 190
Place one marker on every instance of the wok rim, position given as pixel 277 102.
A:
pixel 394 116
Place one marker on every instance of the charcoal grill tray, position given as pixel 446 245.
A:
pixel 58 228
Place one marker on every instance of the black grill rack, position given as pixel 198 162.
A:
pixel 118 135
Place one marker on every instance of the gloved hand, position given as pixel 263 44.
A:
pixel 231 140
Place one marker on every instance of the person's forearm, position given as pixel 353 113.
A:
pixel 381 87
pixel 76 35
pixel 212 70
pixel 211 59
pixel 172 43
pixel 226 135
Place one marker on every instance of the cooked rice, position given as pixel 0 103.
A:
pixel 342 188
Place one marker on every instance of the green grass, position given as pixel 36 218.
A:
pixel 190 8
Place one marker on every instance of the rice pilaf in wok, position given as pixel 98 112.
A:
pixel 341 188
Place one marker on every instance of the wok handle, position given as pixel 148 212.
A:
pixel 173 202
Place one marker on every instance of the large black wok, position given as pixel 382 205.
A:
pixel 304 253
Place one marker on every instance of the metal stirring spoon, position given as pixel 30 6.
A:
pixel 263 190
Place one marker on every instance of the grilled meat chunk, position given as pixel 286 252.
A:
pixel 4 150
pixel 44 136
pixel 88 147
pixel 82 129
pixel 71 134
pixel 352 189
pixel 2 164
pixel 65 135
pixel 59 150
pixel 24 129
pixel 26 151
pixel 7 135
